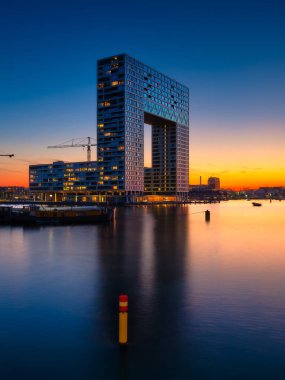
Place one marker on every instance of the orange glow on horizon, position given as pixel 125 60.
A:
pixel 232 179
pixel 250 157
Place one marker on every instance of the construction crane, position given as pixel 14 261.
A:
pixel 7 155
pixel 83 143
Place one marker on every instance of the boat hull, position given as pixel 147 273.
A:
pixel 55 216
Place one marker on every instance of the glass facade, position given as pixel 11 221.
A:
pixel 64 176
pixel 130 94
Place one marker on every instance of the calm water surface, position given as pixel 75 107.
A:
pixel 206 300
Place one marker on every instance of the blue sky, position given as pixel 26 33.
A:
pixel 230 53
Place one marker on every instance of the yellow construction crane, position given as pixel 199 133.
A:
pixel 86 142
pixel 7 155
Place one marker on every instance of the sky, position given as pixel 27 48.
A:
pixel 231 55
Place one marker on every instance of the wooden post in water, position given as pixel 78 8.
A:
pixel 207 215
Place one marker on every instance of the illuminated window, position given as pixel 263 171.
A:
pixel 115 83
pixel 105 104
pixel 100 85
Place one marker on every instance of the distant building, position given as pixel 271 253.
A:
pixel 198 188
pixel 271 192
pixel 12 193
pixel 214 183
pixel 63 177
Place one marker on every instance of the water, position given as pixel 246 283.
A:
pixel 206 300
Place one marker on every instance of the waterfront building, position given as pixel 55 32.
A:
pixel 131 94
pixel 63 177
pixel 12 193
pixel 148 180
pixel 214 183
pixel 271 192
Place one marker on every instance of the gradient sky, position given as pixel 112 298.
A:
pixel 231 54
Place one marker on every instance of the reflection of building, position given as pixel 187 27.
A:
pixel 62 177
pixel 129 95
pixel 214 183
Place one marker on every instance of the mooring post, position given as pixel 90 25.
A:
pixel 123 319
pixel 207 215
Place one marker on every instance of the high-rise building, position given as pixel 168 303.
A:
pixel 131 94
pixel 214 183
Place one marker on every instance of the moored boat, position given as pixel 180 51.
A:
pixel 39 215
pixel 256 204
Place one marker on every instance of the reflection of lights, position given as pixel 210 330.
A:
pixel 50 240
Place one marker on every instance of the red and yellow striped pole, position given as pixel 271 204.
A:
pixel 123 319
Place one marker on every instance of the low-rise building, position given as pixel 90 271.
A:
pixel 14 193
pixel 61 178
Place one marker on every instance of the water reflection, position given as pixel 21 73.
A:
pixel 206 300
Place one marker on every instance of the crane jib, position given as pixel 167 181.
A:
pixel 81 144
